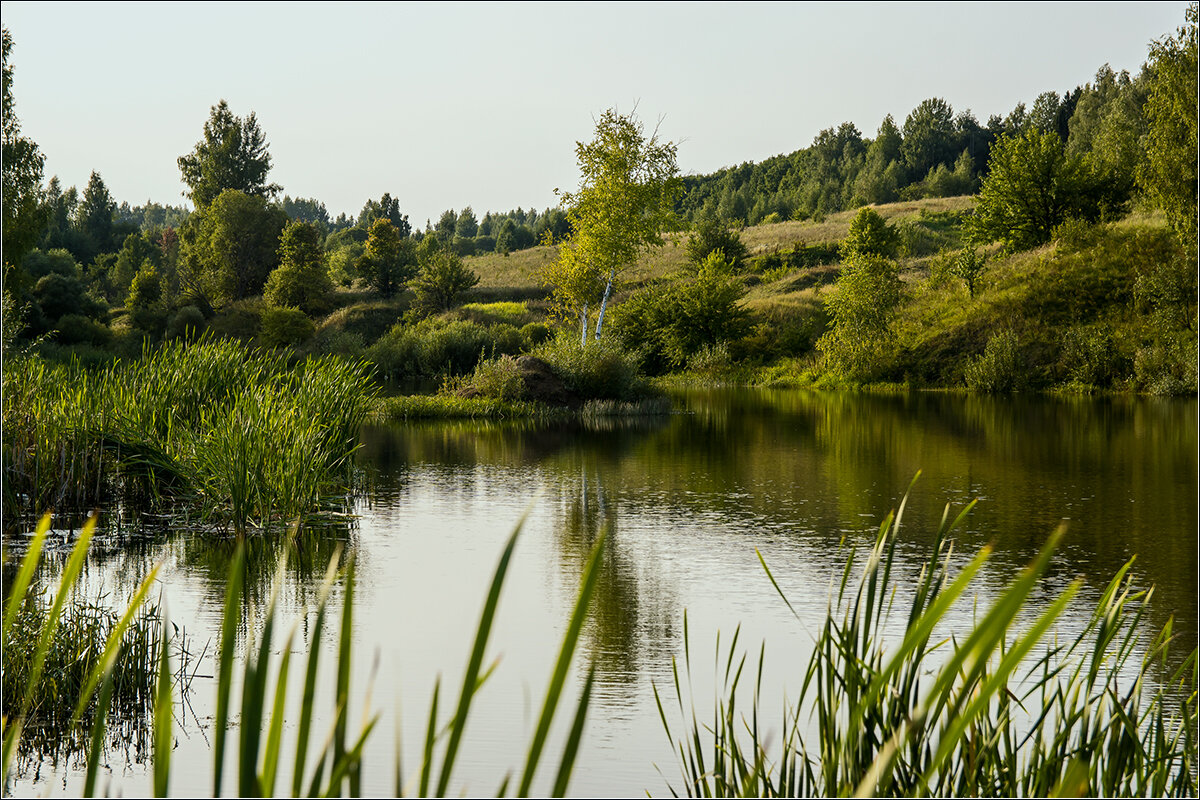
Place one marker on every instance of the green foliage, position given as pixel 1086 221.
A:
pixel 1000 368
pixel 968 266
pixel 904 711
pixel 709 235
pixel 625 201
pixel 1032 186
pixel 435 347
pixel 187 323
pixel 22 163
pixel 231 156
pixel 1169 174
pixel 1090 357
pixel 858 343
pixel 388 260
pixel 498 379
pixel 285 327
pixel 146 289
pixel 600 370
pixel 670 324
pixel 535 333
pixel 230 247
pixel 301 279
pixel 442 279
pixel 870 234
pixel 929 136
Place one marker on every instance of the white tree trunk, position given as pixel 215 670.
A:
pixel 583 325
pixel 604 303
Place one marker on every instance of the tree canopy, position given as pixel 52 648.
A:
pixel 232 155
pixel 22 174
pixel 628 186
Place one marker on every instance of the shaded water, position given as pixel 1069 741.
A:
pixel 690 498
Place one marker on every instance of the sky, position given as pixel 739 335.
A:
pixel 481 104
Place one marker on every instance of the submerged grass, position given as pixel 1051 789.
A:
pixel 980 715
pixel 240 434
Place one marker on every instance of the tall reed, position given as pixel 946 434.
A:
pixel 239 434
pixel 258 752
pixel 978 715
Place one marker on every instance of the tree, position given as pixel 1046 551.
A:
pixel 869 234
pixel 709 236
pixel 229 248
pixel 95 215
pixel 387 207
pixel 232 155
pixel 443 277
pixel 1169 175
pixel 862 308
pixel 300 280
pixel 22 175
pixel 929 137
pixel 1032 186
pixel 625 201
pixel 466 226
pixel 388 260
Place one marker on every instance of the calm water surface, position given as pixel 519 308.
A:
pixel 691 499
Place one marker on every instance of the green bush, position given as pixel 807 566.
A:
pixel 870 234
pixel 535 333
pixel 285 327
pixel 498 379
pixel 187 323
pixel 602 369
pixel 859 343
pixel 1000 368
pixel 78 329
pixel 240 320
pixel 1167 366
pixel 435 347
pixel 1089 356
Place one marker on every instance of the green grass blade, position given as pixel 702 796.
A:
pixel 275 732
pixel 310 675
pixel 232 612
pixel 20 584
pixel 97 741
pixel 567 763
pixel 164 718
pixel 567 651
pixel 343 671
pixel 470 679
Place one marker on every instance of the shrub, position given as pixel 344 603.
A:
pixel 600 370
pixel 78 329
pixel 859 343
pixel 999 368
pixel 442 279
pixel 240 320
pixel 301 280
pixel 709 236
pixel 285 327
pixel 1167 366
pixel 870 234
pixel 499 379
pixel 535 333
pixel 187 323
pixel 1089 356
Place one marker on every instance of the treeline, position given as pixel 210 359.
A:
pixel 935 153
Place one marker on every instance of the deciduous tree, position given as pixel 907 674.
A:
pixel 388 259
pixel 624 203
pixel 230 247
pixel 22 175
pixel 300 280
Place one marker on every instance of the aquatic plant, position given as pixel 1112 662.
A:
pixel 241 435
pixel 979 714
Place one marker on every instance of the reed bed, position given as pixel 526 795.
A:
pixel 982 714
pixel 241 435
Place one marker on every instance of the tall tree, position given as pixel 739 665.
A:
pixel 929 137
pixel 387 207
pixel 230 247
pixel 95 214
pixel 300 280
pixel 22 175
pixel 388 260
pixel 1032 186
pixel 1169 175
pixel 624 203
pixel 232 155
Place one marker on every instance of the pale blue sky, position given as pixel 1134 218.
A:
pixel 448 105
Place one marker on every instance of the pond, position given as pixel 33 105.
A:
pixel 691 500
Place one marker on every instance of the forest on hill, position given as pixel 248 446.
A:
pixel 758 279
